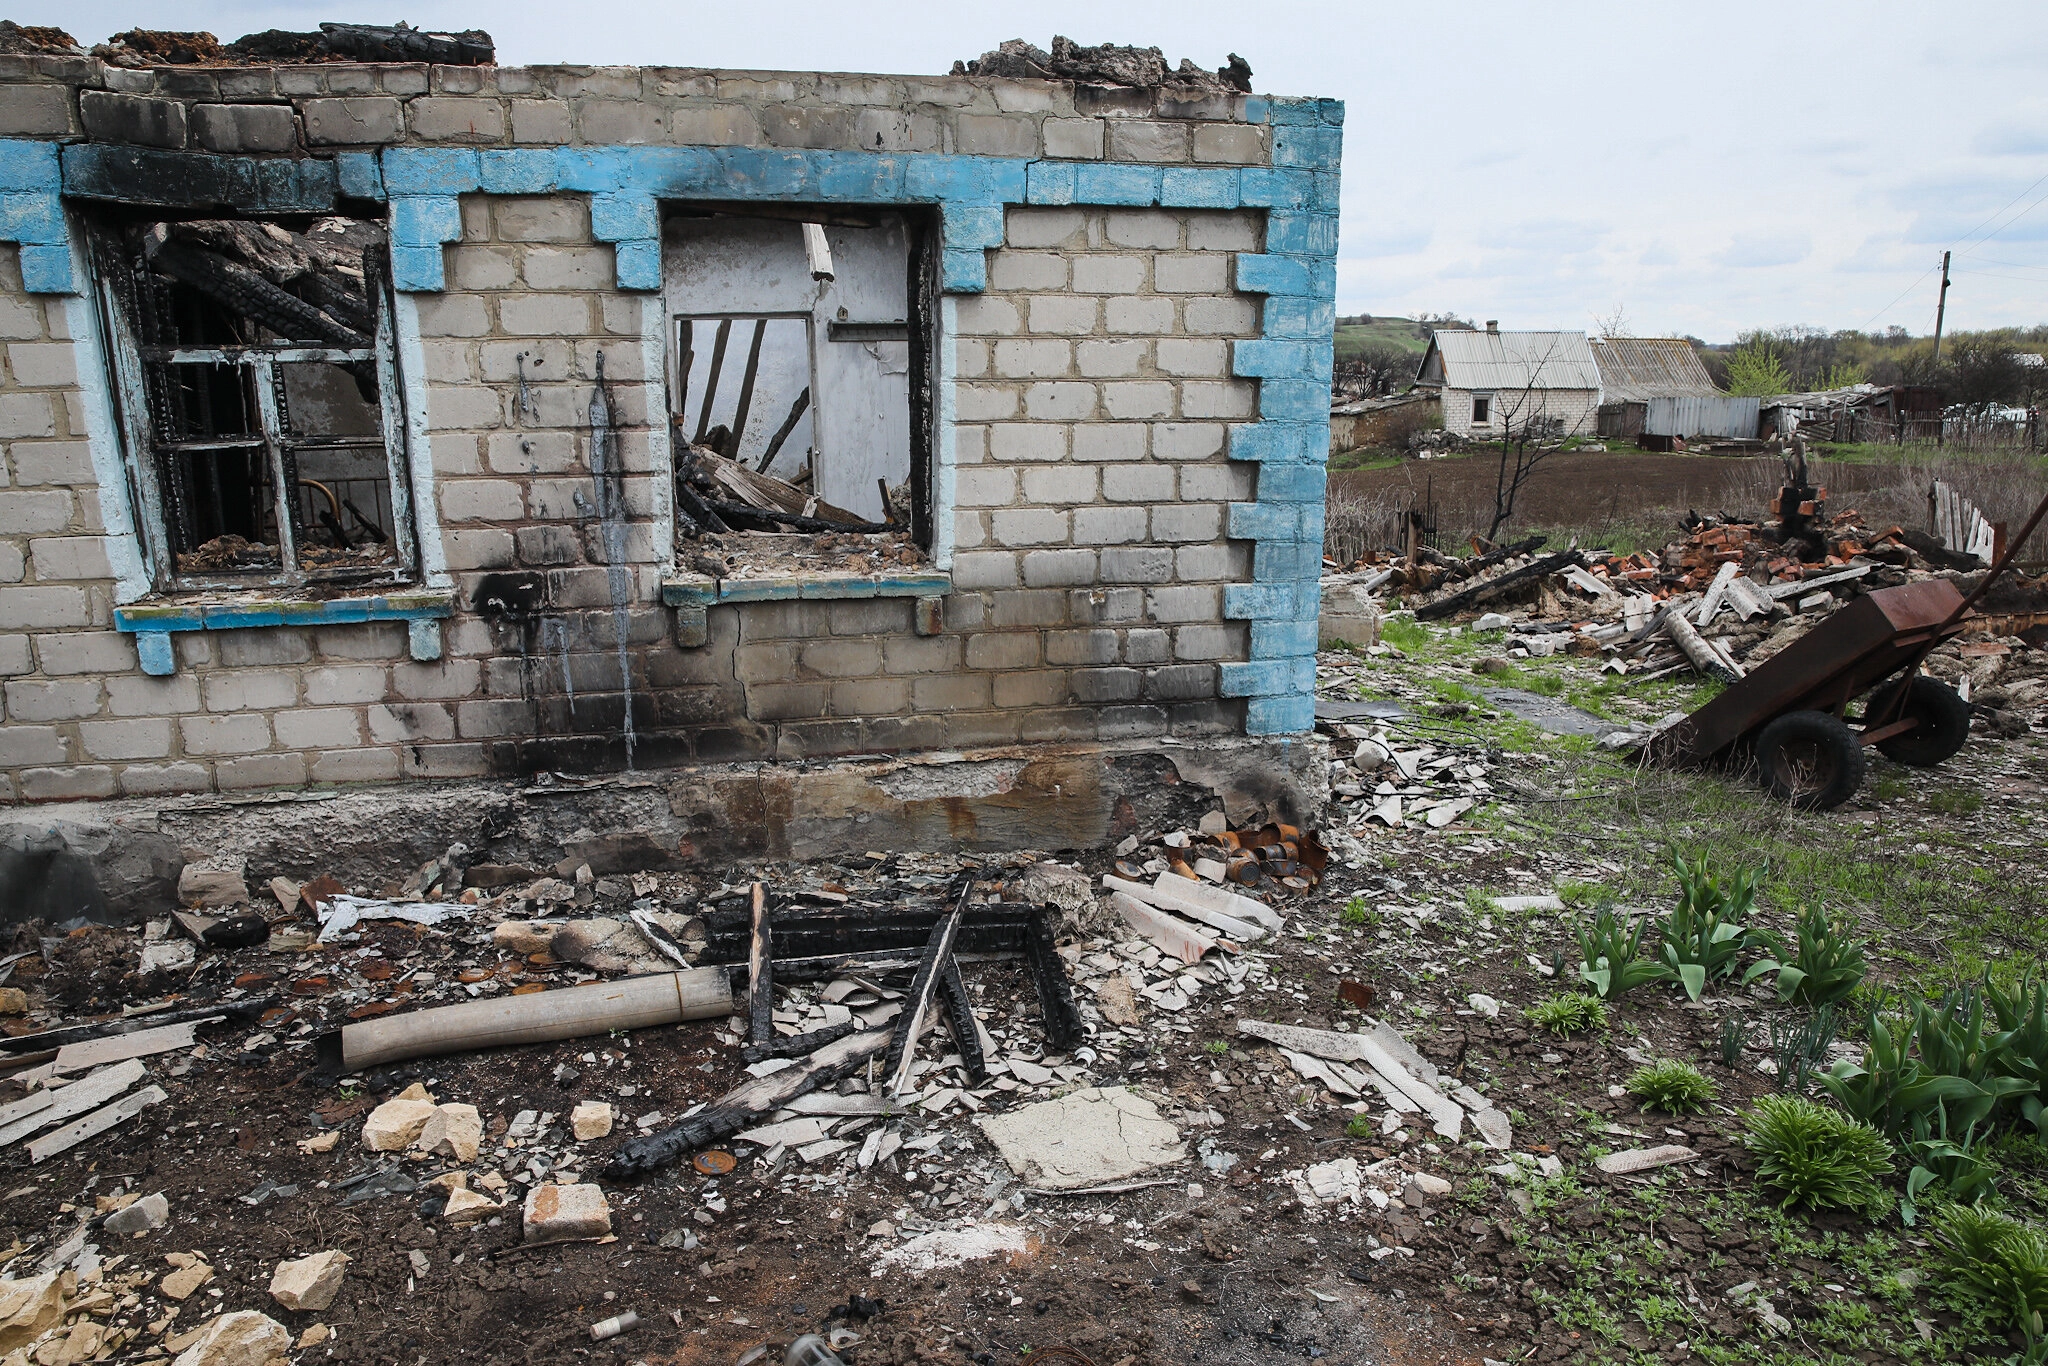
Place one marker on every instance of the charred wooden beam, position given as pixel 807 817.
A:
pixel 1488 589
pixel 796 1045
pixel 738 1108
pixel 761 973
pixel 243 1011
pixel 960 1019
pixel 795 521
pixel 910 1023
pixel 243 291
pixel 1055 991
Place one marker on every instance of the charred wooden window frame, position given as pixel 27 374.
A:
pixel 924 274
pixel 127 359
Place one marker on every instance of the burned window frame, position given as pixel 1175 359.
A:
pixel 148 442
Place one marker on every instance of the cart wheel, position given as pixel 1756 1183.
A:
pixel 1943 714
pixel 1810 759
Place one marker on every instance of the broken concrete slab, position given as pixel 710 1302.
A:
pixel 952 1246
pixel 62 868
pixel 146 1215
pixel 1094 1135
pixel 309 1283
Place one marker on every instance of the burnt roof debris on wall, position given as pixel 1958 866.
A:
pixel 333 43
pixel 21 40
pixel 1106 64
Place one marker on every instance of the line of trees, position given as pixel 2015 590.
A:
pixel 1975 367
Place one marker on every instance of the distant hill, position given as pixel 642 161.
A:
pixel 1403 334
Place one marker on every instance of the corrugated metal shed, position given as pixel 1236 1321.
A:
pixel 1636 369
pixel 1701 415
pixel 1496 361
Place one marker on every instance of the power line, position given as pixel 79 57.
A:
pixel 1966 237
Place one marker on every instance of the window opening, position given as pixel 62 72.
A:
pixel 1480 407
pixel 259 397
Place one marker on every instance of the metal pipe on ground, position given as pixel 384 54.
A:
pixel 542 1017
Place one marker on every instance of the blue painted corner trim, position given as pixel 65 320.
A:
pixel 32 215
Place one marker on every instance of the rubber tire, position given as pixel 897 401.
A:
pixel 1943 714
pixel 1828 745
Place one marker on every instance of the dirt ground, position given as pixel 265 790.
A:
pixel 1225 1261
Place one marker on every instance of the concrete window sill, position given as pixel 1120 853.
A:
pixel 151 623
pixel 692 595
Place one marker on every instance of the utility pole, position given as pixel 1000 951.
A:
pixel 1941 308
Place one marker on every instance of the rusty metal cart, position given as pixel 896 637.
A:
pixel 1792 713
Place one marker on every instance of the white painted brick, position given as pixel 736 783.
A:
pixel 1112 359
pixel 142 695
pixel 240 733
pixel 42 365
pixel 1009 270
pixel 1068 484
pixel 330 728
pixel 20 745
pixel 984 315
pixel 1137 483
pixel 1043 227
pixel 52 462
pixel 15 655
pixel 1109 526
pixel 985 569
pixel 1027 441
pixel 86 652
pixel 70 557
pixel 31 700
pixel 482 500
pixel 1059 568
pixel 1137 399
pixel 1068 401
pixel 29 511
pixel 1181 441
pixel 1138 314
pixel 1187 522
pixel 142 739
pixel 1198 357
pixel 1191 274
pixel 986 486
pixel 1109 441
pixel 1225 231
pixel 1221 398
pixel 1063 313
pixel 1029 526
pixel 1232 317
pixel 1109 274
pixel 1032 359
pixel 346 684
pixel 1142 228
pixel 985 402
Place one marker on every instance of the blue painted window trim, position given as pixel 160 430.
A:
pixel 152 623
pixel 1297 274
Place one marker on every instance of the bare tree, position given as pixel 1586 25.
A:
pixel 1530 434
pixel 1615 324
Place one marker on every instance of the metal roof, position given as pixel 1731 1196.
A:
pixel 1638 369
pixel 1509 360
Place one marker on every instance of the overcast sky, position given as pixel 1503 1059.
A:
pixel 1703 168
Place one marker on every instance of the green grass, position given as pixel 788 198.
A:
pixel 1570 1012
pixel 1406 633
pixel 1367 458
pixel 1357 913
pixel 1815 1156
pixel 1396 332
pixel 1676 1088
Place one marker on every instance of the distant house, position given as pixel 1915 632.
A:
pixel 1495 384
pixel 1657 386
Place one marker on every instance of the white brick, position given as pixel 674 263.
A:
pixel 142 695
pixel 1138 314
pixel 1069 484
pixel 70 557
pixel 1224 232
pixel 482 500
pixel 1059 568
pixel 42 365
pixel 990 486
pixel 347 683
pixel 27 511
pixel 1021 441
pixel 1187 522
pixel 1223 398
pixel 261 770
pixel 1109 526
pixel 42 607
pixel 1108 274
pixel 1032 359
pixel 1199 357
pixel 1077 139
pixel 86 652
pixel 23 745
pixel 1192 274
pixel 1215 483
pixel 1222 317
pixel 544 315
pixel 144 739
pixel 27 415
pixel 1142 228
pixel 1205 563
pixel 332 728
pixel 241 733
pixel 1109 441
pixel 1063 313
pixel 980 569
pixel 1027 270
pixel 1112 359
pixel 1137 483
pixel 983 315
pixel 29 700
pixel 15 655
pixel 156 780
pixel 1127 399
pixel 1187 440
pixel 970 357
pixel 1060 402
pixel 247 691
pixel 1029 526
pixel 53 462
pixel 985 402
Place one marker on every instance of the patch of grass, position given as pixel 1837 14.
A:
pixel 1366 458
pixel 1999 1261
pixel 1356 912
pixel 1955 801
pixel 1815 1156
pixel 1216 1048
pixel 1360 1126
pixel 1570 1012
pixel 1676 1088
pixel 1890 787
pixel 1405 632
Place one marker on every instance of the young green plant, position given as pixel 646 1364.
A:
pixel 1611 958
pixel 1676 1088
pixel 1814 1155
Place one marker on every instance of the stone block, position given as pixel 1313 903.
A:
pixel 452 1131
pixel 309 1284
pixel 124 740
pixel 554 1213
pixel 260 770
pixel 1147 140
pixel 241 1337
pixel 393 1126
pixel 30 700
pixel 1074 139
pixel 360 121
pixel 540 122
pixel 35 110
pixel 590 1119
pixel 237 128
pixel 134 119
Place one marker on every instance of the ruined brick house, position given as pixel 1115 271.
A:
pixel 344 406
